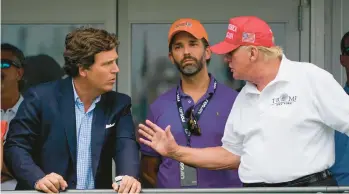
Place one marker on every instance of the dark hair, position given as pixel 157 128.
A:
pixel 40 69
pixel 20 57
pixel 345 36
pixel 15 51
pixel 203 40
pixel 81 46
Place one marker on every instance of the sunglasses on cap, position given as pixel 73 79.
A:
pixel 346 51
pixel 5 64
pixel 193 125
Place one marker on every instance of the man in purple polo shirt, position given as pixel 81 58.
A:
pixel 197 109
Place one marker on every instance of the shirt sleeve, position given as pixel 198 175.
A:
pixel 231 140
pixel 146 150
pixel 332 102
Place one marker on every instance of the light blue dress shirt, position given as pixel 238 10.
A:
pixel 85 178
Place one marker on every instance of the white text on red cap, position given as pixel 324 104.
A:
pixel 232 27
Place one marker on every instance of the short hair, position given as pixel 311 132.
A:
pixel 203 40
pixel 345 36
pixel 269 52
pixel 81 46
pixel 15 51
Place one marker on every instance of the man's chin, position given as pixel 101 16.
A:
pixel 236 77
pixel 190 72
pixel 108 88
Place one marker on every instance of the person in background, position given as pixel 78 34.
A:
pixel 12 62
pixel 41 69
pixel 197 108
pixel 340 169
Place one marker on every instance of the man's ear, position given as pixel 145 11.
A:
pixel 254 53
pixel 208 53
pixel 20 73
pixel 82 71
pixel 170 56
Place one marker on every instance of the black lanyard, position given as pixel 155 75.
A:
pixel 198 114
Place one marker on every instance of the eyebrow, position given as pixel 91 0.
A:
pixel 190 41
pixel 111 60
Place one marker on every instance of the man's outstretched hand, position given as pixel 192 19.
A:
pixel 162 141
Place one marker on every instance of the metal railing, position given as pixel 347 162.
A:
pixel 225 190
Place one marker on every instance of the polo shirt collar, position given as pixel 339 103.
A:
pixel 210 89
pixel 16 106
pixel 283 75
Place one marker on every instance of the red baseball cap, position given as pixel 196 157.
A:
pixel 192 26
pixel 245 31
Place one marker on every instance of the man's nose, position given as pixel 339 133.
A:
pixel 115 69
pixel 186 50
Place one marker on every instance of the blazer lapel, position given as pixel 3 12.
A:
pixel 67 109
pixel 97 133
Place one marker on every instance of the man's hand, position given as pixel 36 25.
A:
pixel 162 141
pixel 51 183
pixel 128 184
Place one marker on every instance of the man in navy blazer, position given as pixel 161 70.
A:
pixel 67 132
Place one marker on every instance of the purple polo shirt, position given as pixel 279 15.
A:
pixel 164 112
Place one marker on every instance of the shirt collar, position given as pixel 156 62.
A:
pixel 283 75
pixel 284 70
pixel 77 98
pixel 16 106
pixel 210 89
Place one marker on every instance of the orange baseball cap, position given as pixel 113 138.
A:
pixel 192 26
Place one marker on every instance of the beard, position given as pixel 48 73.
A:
pixel 191 68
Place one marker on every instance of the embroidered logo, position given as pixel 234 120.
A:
pixel 232 27
pixel 184 24
pixel 284 99
pixel 248 37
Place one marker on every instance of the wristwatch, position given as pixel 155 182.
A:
pixel 118 179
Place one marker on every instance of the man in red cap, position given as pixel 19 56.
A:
pixel 280 131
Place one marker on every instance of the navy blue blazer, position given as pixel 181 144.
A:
pixel 42 137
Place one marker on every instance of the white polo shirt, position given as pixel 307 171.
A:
pixel 286 131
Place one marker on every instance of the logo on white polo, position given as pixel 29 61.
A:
pixel 284 99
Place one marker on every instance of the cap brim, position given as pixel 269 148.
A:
pixel 223 48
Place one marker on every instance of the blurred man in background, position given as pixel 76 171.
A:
pixel 340 169
pixel 12 61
